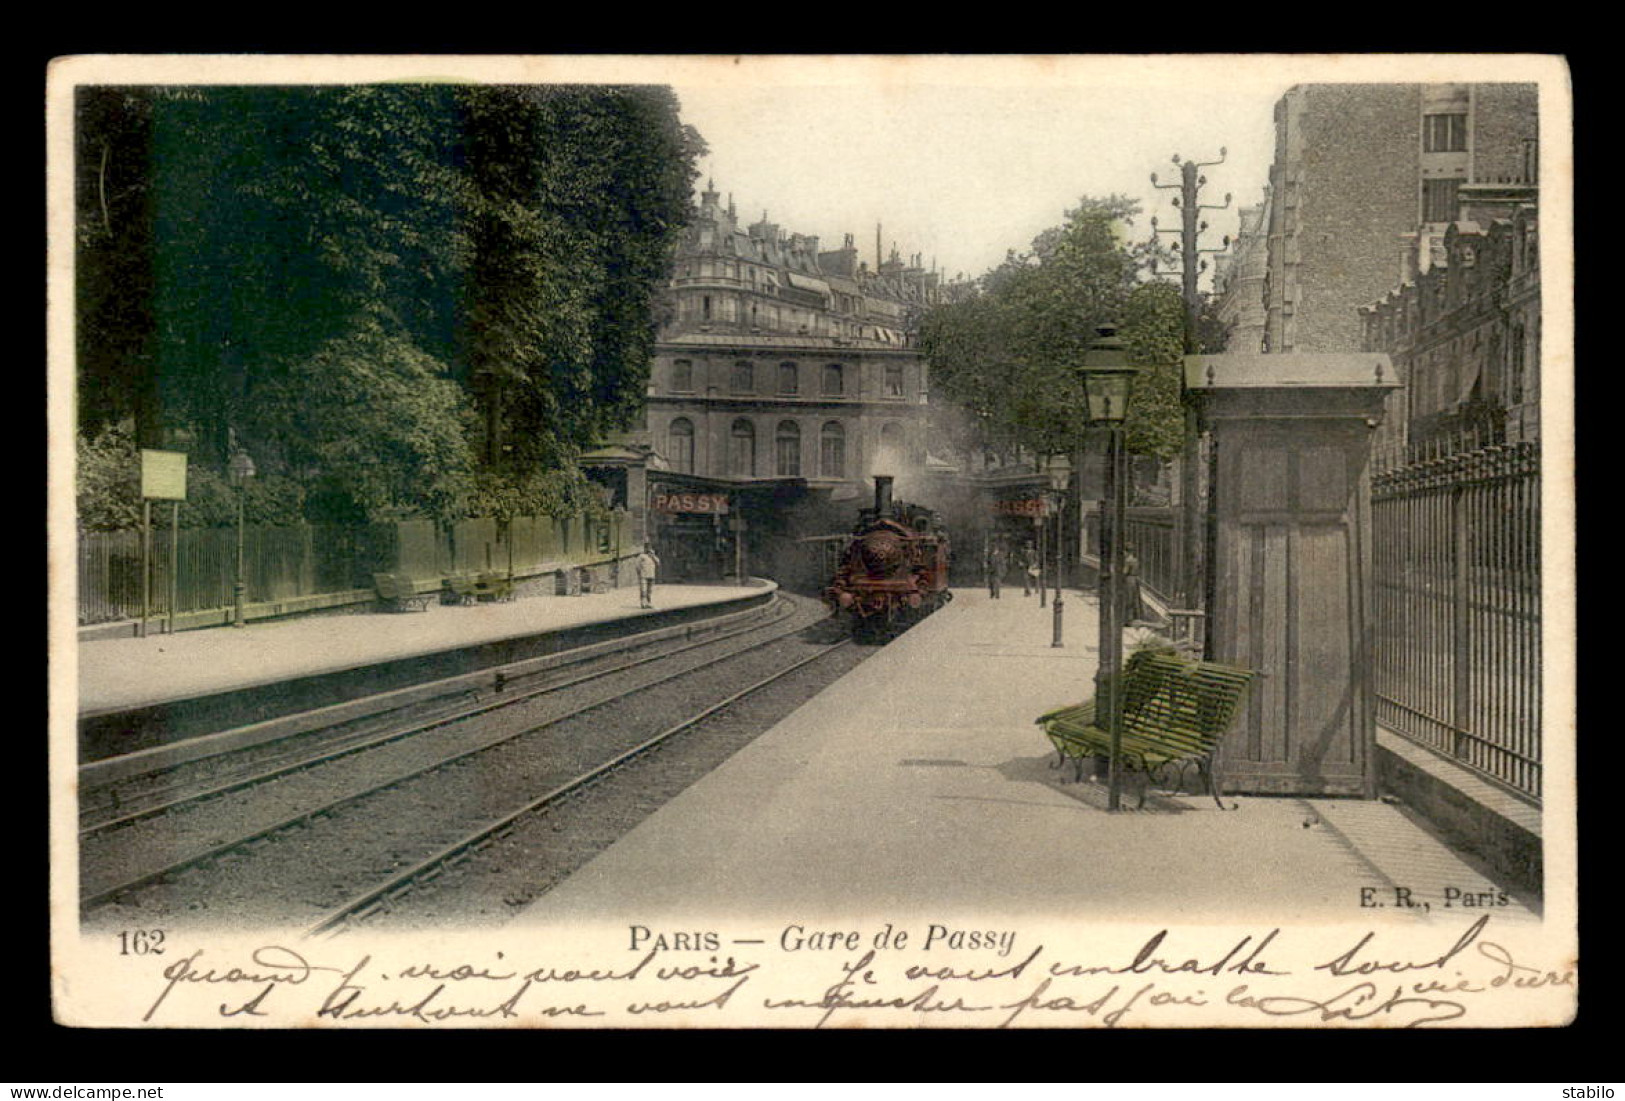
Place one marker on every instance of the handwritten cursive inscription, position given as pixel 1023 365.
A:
pixel 1147 960
pixel 1351 963
pixel 848 975
pixel 272 966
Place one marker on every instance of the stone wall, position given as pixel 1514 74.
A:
pixel 1345 184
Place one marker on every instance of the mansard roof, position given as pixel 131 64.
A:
pixel 788 341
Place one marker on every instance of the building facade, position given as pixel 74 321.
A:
pixel 1239 277
pixel 1363 170
pixel 1464 330
pixel 783 361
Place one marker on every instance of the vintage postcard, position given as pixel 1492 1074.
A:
pixel 789 542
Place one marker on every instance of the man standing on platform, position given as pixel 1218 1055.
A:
pixel 648 564
pixel 995 570
pixel 1029 568
pixel 1134 611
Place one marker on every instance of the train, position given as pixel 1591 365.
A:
pixel 892 571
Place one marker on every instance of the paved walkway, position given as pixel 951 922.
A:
pixel 130 672
pixel 919 784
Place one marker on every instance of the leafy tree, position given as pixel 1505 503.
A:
pixel 285 219
pixel 337 277
pixel 1154 329
pixel 107 483
pixel 389 441
pixel 1008 354
pixel 113 259
pixel 570 252
pixel 108 489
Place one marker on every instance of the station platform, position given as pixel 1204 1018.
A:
pixel 121 674
pixel 919 784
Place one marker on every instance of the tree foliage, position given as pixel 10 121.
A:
pixel 107 481
pixel 107 487
pixel 391 440
pixel 407 298
pixel 1008 354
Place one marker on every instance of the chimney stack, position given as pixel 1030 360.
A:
pixel 883 494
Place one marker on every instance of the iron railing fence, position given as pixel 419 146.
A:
pixel 1457 615
pixel 282 563
pixel 279 563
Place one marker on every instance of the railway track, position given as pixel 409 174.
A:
pixel 385 895
pixel 317 740
pixel 395 809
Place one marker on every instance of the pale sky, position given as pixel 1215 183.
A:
pixel 961 172
pixel 959 157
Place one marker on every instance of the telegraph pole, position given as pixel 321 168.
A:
pixel 1188 521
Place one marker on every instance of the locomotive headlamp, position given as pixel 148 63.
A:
pixel 1108 377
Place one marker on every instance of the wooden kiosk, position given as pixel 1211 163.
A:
pixel 1289 553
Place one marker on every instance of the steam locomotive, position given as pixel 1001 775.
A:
pixel 893 570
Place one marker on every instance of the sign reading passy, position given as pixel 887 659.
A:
pixel 715 504
pixel 1021 506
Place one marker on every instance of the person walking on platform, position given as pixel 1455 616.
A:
pixel 995 570
pixel 648 564
pixel 1134 610
pixel 1029 569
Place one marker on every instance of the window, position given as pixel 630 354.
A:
pixel 682 374
pixel 681 445
pixel 1444 133
pixel 789 379
pixel 744 377
pixel 787 450
pixel 894 380
pixel 742 449
pixel 1439 200
pixel 834 380
pixel 705 308
pixel 832 451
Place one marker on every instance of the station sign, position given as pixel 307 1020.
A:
pixel 1021 506
pixel 709 504
pixel 163 475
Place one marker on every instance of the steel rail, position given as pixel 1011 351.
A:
pixel 338 748
pixel 305 817
pixel 366 902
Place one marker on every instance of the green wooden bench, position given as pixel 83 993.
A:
pixel 1175 711
pixel 403 592
pixel 465 588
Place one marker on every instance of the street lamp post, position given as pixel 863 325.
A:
pixel 241 468
pixel 1108 378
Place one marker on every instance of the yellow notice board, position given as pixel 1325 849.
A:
pixel 163 475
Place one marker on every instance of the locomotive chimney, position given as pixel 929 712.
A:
pixel 883 494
